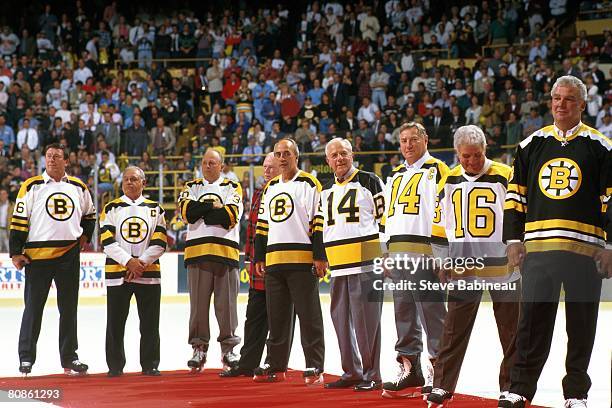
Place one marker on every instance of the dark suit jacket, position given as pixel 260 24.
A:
pixel 341 98
pixel 352 30
pixel 442 132
pixel 74 140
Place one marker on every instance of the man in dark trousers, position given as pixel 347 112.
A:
pixel 256 324
pixel 54 217
pixel 133 233
pixel 555 227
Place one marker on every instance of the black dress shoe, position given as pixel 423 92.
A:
pixel 114 373
pixel 368 386
pixel 236 372
pixel 342 383
pixel 153 372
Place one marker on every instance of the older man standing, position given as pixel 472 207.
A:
pixel 133 233
pixel 554 223
pixel 256 324
pixel 212 206
pixel 410 202
pixel 346 231
pixel 284 252
pixel 54 217
pixel 477 187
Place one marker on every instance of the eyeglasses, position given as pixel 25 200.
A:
pixel 55 157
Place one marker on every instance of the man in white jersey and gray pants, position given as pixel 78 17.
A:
pixel 347 227
pixel 410 200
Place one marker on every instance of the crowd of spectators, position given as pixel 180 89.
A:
pixel 100 81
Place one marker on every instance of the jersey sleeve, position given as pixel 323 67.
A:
pixel 318 247
pixel 191 209
pixel 439 241
pixel 159 240
pixel 88 221
pixel 231 212
pixel 606 193
pixel 377 189
pixel 111 247
pixel 515 206
pixel 20 222
pixel 313 209
pixel 261 231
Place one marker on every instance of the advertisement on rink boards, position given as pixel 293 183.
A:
pixel 91 275
pixel 12 281
pixel 173 272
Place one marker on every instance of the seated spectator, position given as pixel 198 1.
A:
pixel 252 149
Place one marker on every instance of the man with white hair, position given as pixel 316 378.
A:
pixel 346 230
pixel 133 233
pixel 476 187
pixel 555 227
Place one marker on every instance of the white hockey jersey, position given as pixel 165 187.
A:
pixel 470 215
pixel 348 219
pixel 410 202
pixel 49 217
pixel 285 224
pixel 212 241
pixel 132 229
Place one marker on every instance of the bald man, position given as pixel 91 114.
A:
pixel 212 207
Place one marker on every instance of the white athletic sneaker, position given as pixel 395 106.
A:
pixel 511 400
pixel 575 403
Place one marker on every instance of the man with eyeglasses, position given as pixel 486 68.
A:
pixel 54 217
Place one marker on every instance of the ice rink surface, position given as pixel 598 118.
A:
pixel 478 375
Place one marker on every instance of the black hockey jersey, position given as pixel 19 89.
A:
pixel 557 196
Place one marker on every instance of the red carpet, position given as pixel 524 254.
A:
pixel 181 389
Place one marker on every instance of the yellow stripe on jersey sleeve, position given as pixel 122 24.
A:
pixel 288 257
pixel 514 205
pixel 564 224
pixel 159 235
pixel 516 188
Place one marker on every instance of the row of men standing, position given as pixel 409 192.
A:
pixel 303 229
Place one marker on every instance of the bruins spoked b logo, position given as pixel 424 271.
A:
pixel 560 178
pixel 281 207
pixel 59 206
pixel 210 197
pixel 134 230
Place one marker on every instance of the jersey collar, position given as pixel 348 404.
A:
pixel 419 163
pixel 347 177
pixel 217 181
pixel 485 169
pixel 134 202
pixel 569 135
pixel 46 177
